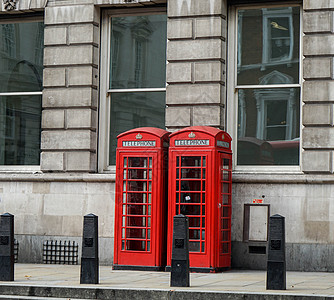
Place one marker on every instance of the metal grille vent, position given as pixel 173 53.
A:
pixel 60 252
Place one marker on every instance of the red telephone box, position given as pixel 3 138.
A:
pixel 140 204
pixel 200 187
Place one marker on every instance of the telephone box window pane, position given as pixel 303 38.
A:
pixel 21 57
pixel 190 209
pixel 193 185
pixel 225 212
pixel 225 248
pixel 190 198
pixel 268 126
pixel 226 188
pixel 136 221
pixel 194 246
pixel 136 210
pixel 137 186
pixel 195 222
pixel 194 234
pixel 225 236
pixel 136 42
pixel 226 175
pixel 137 162
pixel 191 161
pixel 20 130
pixel 137 174
pixel 136 198
pixel 135 245
pixel 191 173
pixel 226 199
pixel 226 163
pixel 135 233
pixel 132 110
pixel 274 49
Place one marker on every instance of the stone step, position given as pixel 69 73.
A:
pixel 12 297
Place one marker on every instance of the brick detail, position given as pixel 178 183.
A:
pixel 196 55
pixel 318 87
pixel 71 57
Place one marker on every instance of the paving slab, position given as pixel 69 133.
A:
pixel 63 282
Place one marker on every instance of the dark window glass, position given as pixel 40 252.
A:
pixel 21 70
pixel 21 57
pixel 20 130
pixel 138 52
pixel 131 110
pixel 268 55
pixel 268 45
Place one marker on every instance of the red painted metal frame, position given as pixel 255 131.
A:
pixel 215 190
pixel 140 199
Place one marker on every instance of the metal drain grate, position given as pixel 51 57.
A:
pixel 60 252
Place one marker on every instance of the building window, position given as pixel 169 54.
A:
pixel 267 86
pixel 136 79
pixel 21 73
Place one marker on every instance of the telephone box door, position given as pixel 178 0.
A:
pixel 190 200
pixel 200 187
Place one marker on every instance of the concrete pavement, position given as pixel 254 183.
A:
pixel 63 282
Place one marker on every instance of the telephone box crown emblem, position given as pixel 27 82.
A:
pixel 223 137
pixel 139 136
pixel 192 135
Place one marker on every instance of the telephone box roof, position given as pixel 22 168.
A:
pixel 205 129
pixel 152 130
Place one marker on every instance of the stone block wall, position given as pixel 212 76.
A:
pixel 196 57
pixel 318 87
pixel 71 59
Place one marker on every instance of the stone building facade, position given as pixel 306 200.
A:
pixel 72 91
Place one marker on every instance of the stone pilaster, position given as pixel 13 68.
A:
pixel 196 56
pixel 69 118
pixel 318 87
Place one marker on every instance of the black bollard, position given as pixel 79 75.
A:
pixel 7 247
pixel 90 251
pixel 276 265
pixel 180 252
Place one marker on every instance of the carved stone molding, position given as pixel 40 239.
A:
pixel 9 4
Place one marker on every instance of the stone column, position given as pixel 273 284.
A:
pixel 69 117
pixel 196 32
pixel 318 87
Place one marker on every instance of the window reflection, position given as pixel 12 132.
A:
pixel 268 118
pixel 136 41
pixel 274 46
pixel 20 130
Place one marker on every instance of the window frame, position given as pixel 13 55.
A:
pixel 14 19
pixel 105 90
pixel 233 88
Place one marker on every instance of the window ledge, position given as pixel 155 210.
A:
pixel 56 177
pixel 293 178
